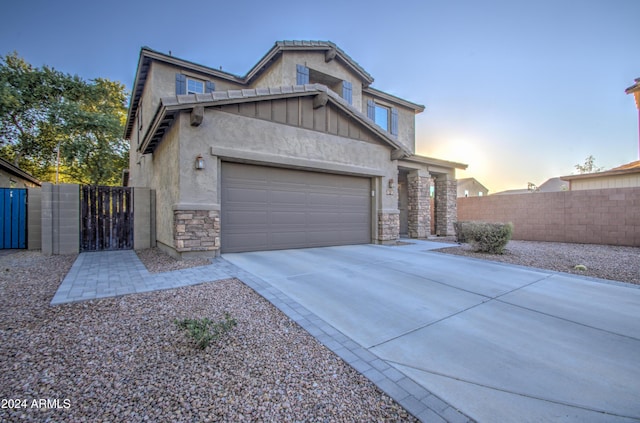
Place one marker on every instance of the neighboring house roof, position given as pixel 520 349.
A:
pixel 553 185
pixel 148 55
pixel 15 170
pixel 170 106
pixel 512 191
pixel 635 90
pixel 462 181
pixel 633 167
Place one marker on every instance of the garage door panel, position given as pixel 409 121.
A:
pixel 246 195
pixel 244 218
pixel 288 218
pixel 238 241
pixel 355 202
pixel 324 199
pixel 286 208
pixel 354 219
pixel 282 240
pixel 288 197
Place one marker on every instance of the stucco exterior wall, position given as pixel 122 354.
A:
pixel 229 135
pixel 406 121
pixel 163 167
pixel 602 182
pixel 283 72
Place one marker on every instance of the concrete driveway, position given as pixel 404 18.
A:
pixel 498 342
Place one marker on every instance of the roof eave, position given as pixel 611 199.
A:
pixel 170 106
pixel 147 56
pixel 418 108
pixel 416 158
pixel 634 88
pixel 16 171
pixel 600 174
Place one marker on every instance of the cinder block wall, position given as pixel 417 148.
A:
pixel 34 218
pixel 60 218
pixel 603 216
pixel 143 218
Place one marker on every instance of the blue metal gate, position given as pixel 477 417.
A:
pixel 13 215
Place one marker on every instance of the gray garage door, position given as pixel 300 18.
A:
pixel 265 208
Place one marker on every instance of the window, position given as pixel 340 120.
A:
pixel 480 194
pixel 194 86
pixel 302 75
pixel 466 192
pixel 185 85
pixel 347 90
pixel 384 116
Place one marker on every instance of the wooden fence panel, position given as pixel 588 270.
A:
pixel 106 218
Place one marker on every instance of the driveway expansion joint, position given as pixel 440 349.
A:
pixel 512 392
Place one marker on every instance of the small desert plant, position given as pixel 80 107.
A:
pixel 204 331
pixel 485 237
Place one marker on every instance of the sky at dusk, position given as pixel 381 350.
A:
pixel 519 90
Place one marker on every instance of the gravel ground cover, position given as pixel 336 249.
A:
pixel 602 261
pixel 123 358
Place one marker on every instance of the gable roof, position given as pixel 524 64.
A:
pixel 553 185
pixel 9 167
pixel 633 167
pixel 170 107
pixel 463 181
pixel 148 55
pixel 292 45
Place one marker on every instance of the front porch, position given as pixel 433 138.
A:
pixel 427 199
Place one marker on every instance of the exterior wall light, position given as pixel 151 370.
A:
pixel 199 162
pixel 390 183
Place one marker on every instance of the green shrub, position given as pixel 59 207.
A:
pixel 484 237
pixel 204 331
pixel 463 229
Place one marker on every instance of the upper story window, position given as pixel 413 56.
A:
pixel 304 75
pixel 381 116
pixel 384 116
pixel 194 86
pixel 188 85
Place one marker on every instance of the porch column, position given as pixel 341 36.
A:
pixel 419 216
pixel 446 204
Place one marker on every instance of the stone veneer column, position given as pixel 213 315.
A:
pixel 388 226
pixel 446 204
pixel 419 216
pixel 196 231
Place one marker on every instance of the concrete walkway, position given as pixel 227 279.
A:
pixel 449 338
pixel 497 342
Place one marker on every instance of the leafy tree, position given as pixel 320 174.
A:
pixel 589 166
pixel 42 108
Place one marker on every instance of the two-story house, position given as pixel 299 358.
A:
pixel 299 152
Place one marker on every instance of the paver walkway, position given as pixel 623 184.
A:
pixel 110 273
